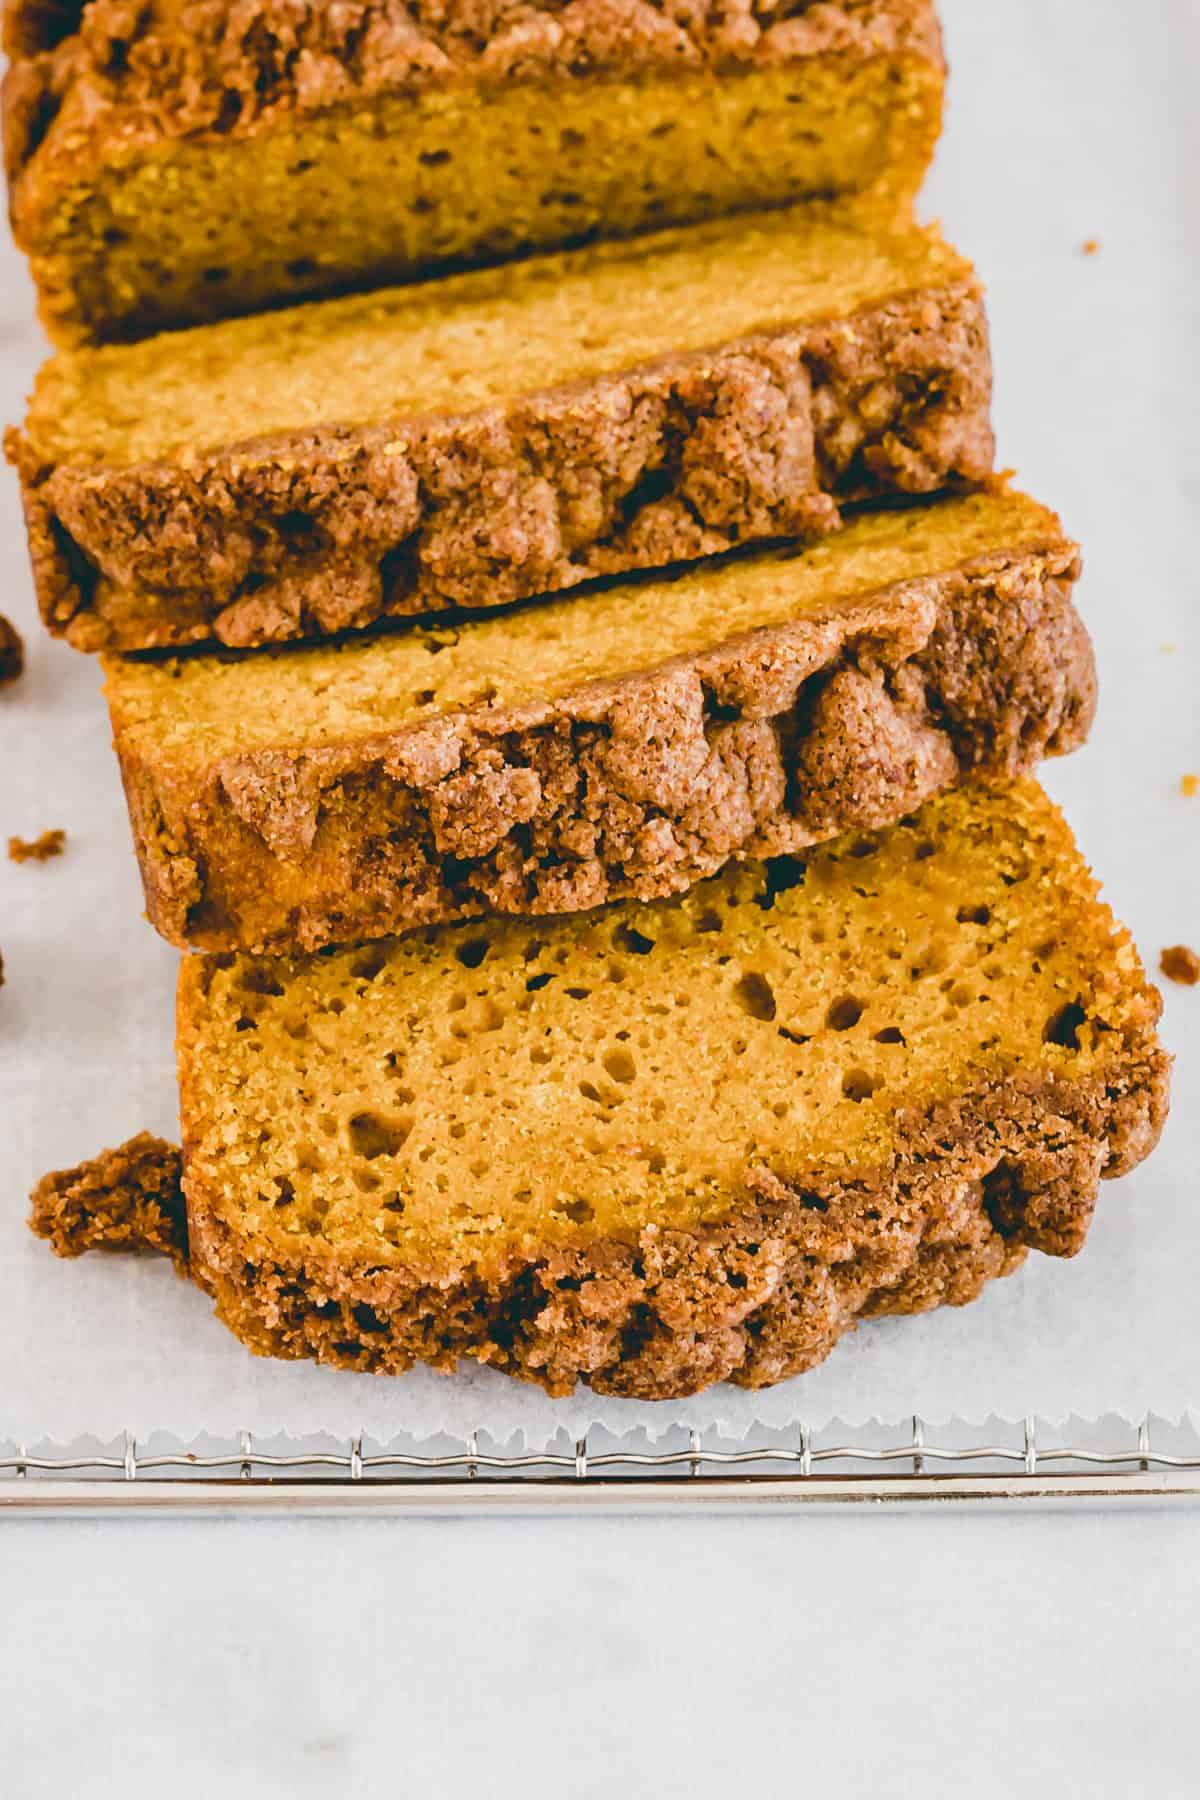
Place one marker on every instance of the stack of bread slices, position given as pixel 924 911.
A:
pixel 576 678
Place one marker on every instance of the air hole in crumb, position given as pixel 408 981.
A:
pixel 783 874
pixel 579 1211
pixel 923 851
pixel 620 1065
pixel 246 1024
pixel 974 915
pixel 709 921
pixel 891 1034
pixel 472 953
pixel 458 1130
pixel 308 1159
pixel 1063 1028
pixel 857 1085
pixel 844 1014
pixel 536 982
pixel 755 995
pixel 256 979
pixel 394 1205
pixel 371 1135
pixel 302 268
pixel 626 938
pixel 793 1037
pixel 456 1003
pixel 287 1192
pixel 366 1180
pixel 367 966
pixel 591 1092
pixel 578 993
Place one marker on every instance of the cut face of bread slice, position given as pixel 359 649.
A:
pixel 175 163
pixel 658 1147
pixel 623 743
pixel 505 433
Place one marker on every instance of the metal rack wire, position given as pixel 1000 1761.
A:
pixel 775 1471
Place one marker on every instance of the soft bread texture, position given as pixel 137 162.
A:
pixel 501 434
pixel 175 161
pixel 627 742
pixel 660 1146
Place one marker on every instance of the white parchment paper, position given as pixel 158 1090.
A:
pixel 1068 123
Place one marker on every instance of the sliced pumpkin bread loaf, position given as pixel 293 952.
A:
pixel 655 1147
pixel 626 742
pixel 174 161
pixel 504 433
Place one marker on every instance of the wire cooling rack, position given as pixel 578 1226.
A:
pixel 1015 1464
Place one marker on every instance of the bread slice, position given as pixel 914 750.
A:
pixel 623 743
pixel 174 163
pixel 662 1146
pixel 501 434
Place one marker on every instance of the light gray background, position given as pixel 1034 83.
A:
pixel 923 1653
pixel 1054 139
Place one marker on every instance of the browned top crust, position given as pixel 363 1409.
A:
pixel 12 652
pixel 173 68
pixel 129 1198
pixel 314 532
pixel 38 849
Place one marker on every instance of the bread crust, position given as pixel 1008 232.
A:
pixel 304 535
pixel 182 99
pixel 171 78
pixel 636 786
pixel 971 1185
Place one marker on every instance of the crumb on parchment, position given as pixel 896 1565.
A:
pixel 1189 786
pixel 1091 246
pixel 1180 964
pixel 39 849
pixel 12 652
pixel 129 1198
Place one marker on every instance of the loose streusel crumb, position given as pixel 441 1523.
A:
pixel 12 652
pixel 1091 247
pixel 38 849
pixel 1180 964
pixel 124 1199
pixel 1189 786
